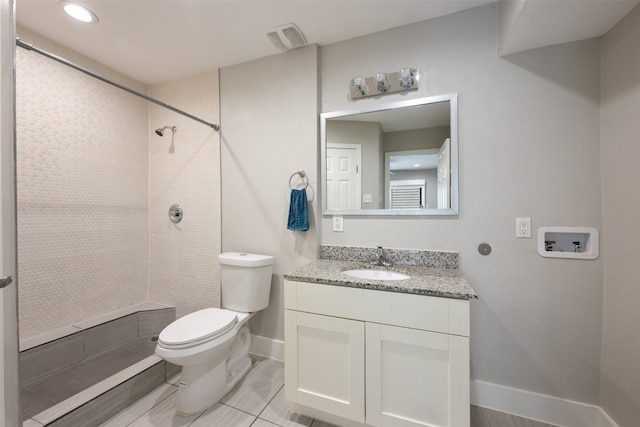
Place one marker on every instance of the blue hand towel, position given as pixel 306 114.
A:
pixel 298 211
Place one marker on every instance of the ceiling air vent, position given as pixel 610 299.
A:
pixel 287 36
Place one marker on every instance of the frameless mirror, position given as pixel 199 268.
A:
pixel 394 159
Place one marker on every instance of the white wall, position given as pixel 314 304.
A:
pixel 82 190
pixel 95 184
pixel 620 380
pixel 185 169
pixel 529 147
pixel 269 130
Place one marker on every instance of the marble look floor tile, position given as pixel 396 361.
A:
pixel 135 411
pixel 175 379
pixel 164 415
pixel 278 411
pixel 501 419
pixel 255 391
pixel 223 416
pixel 262 423
pixel 318 423
pixel 479 417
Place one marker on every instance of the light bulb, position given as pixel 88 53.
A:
pixel 78 12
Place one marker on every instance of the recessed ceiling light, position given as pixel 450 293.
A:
pixel 78 12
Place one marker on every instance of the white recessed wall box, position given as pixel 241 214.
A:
pixel 568 242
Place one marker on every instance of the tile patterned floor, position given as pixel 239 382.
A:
pixel 257 401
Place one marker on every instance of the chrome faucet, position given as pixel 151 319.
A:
pixel 381 260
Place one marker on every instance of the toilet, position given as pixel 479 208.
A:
pixel 212 345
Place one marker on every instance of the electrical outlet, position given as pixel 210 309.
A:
pixel 338 224
pixel 523 228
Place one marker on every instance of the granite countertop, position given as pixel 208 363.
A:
pixel 439 282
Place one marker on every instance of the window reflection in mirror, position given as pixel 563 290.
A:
pixel 398 159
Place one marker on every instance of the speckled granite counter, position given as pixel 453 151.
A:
pixel 440 282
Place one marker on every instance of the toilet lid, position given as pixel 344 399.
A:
pixel 198 327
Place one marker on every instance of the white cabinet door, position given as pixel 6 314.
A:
pixel 416 378
pixel 324 363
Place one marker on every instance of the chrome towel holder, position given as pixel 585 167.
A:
pixel 303 176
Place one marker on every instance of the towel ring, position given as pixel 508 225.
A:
pixel 303 176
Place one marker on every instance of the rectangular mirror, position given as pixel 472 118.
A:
pixel 393 159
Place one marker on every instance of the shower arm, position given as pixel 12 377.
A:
pixel 28 46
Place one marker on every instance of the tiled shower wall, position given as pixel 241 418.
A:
pixel 185 170
pixel 82 189
pixel 94 187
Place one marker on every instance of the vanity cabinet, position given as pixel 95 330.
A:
pixel 357 357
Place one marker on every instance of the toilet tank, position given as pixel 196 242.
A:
pixel 245 280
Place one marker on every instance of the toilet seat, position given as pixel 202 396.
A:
pixel 197 327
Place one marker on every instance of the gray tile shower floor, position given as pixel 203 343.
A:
pixel 45 392
pixel 258 401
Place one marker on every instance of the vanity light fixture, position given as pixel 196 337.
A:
pixel 406 78
pixel 382 81
pixel 78 12
pixel 385 83
pixel 360 85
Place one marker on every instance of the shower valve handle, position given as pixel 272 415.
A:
pixel 5 281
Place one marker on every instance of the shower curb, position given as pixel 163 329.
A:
pixel 103 400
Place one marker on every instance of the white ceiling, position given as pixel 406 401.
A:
pixel 402 119
pixel 155 41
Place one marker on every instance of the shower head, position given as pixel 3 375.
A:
pixel 160 132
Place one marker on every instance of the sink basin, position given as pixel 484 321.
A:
pixel 373 274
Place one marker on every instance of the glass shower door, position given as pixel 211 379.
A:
pixel 9 390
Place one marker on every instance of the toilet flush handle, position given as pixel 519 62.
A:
pixel 5 281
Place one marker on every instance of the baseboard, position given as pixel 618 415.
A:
pixel 267 347
pixel 539 407
pixel 535 406
pixel 604 420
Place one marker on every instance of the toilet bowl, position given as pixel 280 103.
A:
pixel 212 344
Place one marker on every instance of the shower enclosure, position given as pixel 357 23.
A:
pixel 94 185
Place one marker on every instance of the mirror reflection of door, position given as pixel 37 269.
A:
pixel 444 175
pixel 411 179
pixel 343 176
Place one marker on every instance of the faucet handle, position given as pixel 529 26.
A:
pixel 381 261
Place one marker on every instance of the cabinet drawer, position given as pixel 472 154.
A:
pixel 401 309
